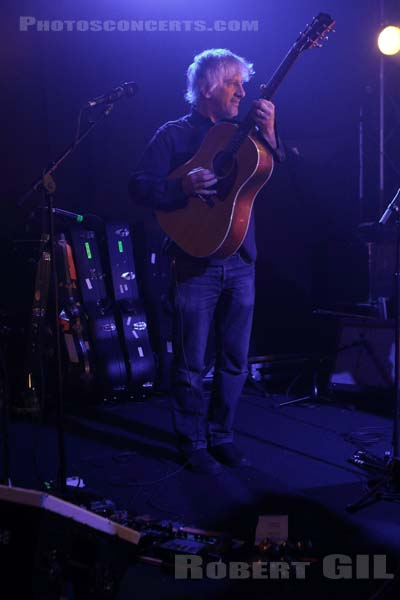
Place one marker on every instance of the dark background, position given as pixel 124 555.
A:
pixel 307 217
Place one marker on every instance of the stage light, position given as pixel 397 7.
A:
pixel 389 40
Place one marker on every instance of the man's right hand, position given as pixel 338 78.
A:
pixel 198 182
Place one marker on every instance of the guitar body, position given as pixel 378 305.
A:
pixel 217 225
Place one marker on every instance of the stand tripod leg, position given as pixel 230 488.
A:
pixel 313 396
pixel 373 493
pixel 296 400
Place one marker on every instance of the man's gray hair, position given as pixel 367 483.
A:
pixel 210 67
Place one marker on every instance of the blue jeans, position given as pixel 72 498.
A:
pixel 205 292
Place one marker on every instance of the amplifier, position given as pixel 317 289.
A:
pixel 364 355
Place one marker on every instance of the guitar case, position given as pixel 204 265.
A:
pixel 110 363
pixel 129 307
pixel 72 319
pixel 154 274
pixel 32 396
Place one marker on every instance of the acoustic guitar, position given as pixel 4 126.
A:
pixel 217 225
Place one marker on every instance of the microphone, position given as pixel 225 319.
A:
pixel 89 220
pixel 389 209
pixel 128 89
pixel 68 214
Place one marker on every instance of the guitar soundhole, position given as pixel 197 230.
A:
pixel 223 164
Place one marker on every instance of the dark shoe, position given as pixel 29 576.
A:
pixel 229 455
pixel 201 462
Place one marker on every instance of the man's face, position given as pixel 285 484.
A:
pixel 225 98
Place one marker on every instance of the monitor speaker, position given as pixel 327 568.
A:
pixel 50 548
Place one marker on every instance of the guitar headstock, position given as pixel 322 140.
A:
pixel 316 33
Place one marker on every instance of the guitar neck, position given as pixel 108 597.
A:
pixel 280 73
pixel 310 37
pixel 274 83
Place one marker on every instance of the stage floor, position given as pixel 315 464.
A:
pixel 126 452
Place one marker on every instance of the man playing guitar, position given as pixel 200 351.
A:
pixel 208 289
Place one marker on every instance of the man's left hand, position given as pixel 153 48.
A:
pixel 263 114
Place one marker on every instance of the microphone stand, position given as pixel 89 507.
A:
pixel 389 484
pixel 47 184
pixel 40 181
